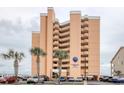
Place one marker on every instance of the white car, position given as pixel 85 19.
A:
pixel 34 80
pixel 79 79
pixel 70 79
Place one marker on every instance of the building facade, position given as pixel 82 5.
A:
pixel 79 36
pixel 117 63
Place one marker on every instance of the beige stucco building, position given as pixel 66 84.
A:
pixel 79 36
pixel 117 63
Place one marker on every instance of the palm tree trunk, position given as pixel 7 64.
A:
pixel 38 68
pixel 60 61
pixel 16 68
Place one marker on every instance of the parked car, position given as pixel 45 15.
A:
pixel 34 80
pixel 22 78
pixel 118 80
pixel 2 80
pixel 110 79
pixel 70 79
pixel 90 77
pixel 62 79
pixel 115 80
pixel 46 78
pixel 10 79
pixel 104 78
pixel 79 79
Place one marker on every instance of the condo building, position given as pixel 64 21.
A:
pixel 79 36
pixel 117 63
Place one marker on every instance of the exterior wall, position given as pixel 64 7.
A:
pixel 35 43
pixel 94 47
pixel 75 43
pixel 72 36
pixel 50 20
pixel 43 43
pixel 118 63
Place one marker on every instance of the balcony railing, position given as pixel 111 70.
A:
pixel 84 37
pixel 63 34
pixel 64 39
pixel 55 59
pixel 84 64
pixel 64 45
pixel 56 43
pixel 55 48
pixel 84 54
pixel 84 42
pixel 65 29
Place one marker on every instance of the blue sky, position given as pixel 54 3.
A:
pixel 17 24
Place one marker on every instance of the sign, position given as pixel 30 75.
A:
pixel 75 59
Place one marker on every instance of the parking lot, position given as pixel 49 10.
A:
pixel 67 83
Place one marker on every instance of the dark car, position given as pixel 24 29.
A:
pixel 110 79
pixel 46 78
pixel 62 79
pixel 104 78
pixel 22 78
pixel 118 80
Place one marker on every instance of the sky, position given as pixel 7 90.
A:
pixel 17 24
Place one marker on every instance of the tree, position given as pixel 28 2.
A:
pixel 60 54
pixel 16 56
pixel 38 52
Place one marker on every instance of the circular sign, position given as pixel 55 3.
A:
pixel 75 59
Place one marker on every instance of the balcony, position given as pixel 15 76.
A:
pixel 55 59
pixel 66 49
pixel 55 37
pixel 84 30
pixel 65 60
pixel 83 70
pixel 56 43
pixel 65 65
pixel 55 48
pixel 55 65
pixel 56 32
pixel 65 29
pixel 84 42
pixel 64 45
pixel 84 58
pixel 84 54
pixel 84 37
pixel 64 34
pixel 84 24
pixel 56 27
pixel 86 19
pixel 64 39
pixel 83 65
pixel 84 48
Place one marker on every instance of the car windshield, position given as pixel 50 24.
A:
pixel 61 77
pixel 34 77
pixel 79 77
pixel 71 77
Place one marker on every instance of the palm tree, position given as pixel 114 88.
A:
pixel 16 56
pixel 38 52
pixel 60 54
